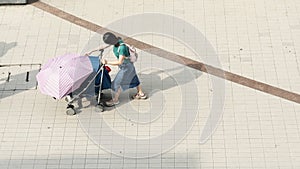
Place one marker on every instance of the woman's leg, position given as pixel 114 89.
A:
pixel 140 94
pixel 115 100
pixel 139 89
pixel 116 95
pixel 116 87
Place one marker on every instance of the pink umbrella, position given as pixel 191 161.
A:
pixel 64 74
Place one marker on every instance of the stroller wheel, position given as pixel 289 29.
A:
pixel 99 108
pixel 70 110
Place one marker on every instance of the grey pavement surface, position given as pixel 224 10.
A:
pixel 258 39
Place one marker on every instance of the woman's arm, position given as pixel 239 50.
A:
pixel 97 49
pixel 116 62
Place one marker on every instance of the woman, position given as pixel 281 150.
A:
pixel 126 77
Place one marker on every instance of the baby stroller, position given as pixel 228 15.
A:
pixel 101 80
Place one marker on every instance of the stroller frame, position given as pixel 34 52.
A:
pixel 70 99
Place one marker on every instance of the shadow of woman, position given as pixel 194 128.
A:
pixel 160 86
pixel 5 47
pixel 154 81
pixel 164 79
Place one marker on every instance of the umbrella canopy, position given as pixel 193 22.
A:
pixel 64 74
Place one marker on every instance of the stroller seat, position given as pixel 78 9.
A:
pixel 106 80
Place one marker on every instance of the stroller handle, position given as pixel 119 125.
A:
pixel 101 51
pixel 100 56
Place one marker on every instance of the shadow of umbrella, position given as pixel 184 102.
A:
pixel 5 47
pixel 15 84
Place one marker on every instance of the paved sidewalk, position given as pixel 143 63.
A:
pixel 255 39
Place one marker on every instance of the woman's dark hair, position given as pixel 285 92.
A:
pixel 110 38
pixel 117 44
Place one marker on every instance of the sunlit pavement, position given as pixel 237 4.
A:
pixel 255 40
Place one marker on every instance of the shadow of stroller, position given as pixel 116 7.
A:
pixel 17 83
pixel 5 47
